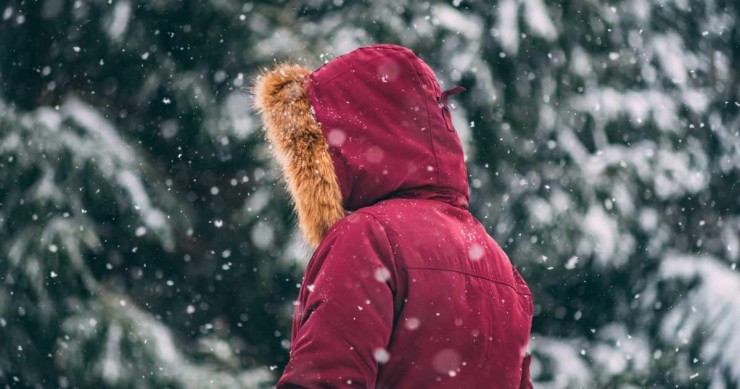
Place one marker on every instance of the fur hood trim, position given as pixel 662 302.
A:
pixel 300 146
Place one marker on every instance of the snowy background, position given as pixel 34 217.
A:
pixel 146 240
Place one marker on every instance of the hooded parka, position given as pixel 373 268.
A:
pixel 405 289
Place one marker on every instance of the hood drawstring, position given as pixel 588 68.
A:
pixel 453 91
pixel 442 100
pixel 444 106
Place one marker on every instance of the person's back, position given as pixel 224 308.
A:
pixel 462 312
pixel 406 288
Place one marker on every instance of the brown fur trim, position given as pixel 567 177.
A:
pixel 300 146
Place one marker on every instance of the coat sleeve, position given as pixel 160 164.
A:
pixel 344 313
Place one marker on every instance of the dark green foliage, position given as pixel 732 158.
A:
pixel 137 201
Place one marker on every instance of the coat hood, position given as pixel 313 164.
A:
pixel 368 125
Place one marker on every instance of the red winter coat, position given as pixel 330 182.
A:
pixel 406 289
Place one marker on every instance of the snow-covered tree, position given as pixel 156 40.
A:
pixel 145 240
pixel 78 201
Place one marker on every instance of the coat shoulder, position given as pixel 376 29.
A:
pixel 360 241
pixel 362 223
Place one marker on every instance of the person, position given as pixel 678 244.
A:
pixel 405 289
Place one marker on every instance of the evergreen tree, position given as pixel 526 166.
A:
pixel 146 240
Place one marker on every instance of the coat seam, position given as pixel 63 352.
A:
pixel 429 115
pixel 472 275
pixel 373 47
pixel 395 196
pixel 387 238
pixel 335 77
pixel 395 266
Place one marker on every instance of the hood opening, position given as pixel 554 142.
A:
pixel 364 127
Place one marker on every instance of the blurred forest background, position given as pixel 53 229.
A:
pixel 146 240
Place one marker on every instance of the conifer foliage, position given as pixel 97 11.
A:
pixel 146 241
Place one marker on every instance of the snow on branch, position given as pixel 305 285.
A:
pixel 711 309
